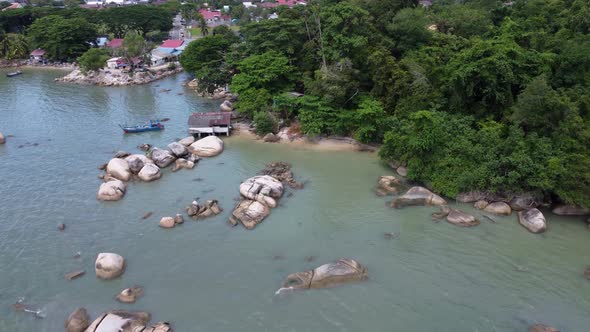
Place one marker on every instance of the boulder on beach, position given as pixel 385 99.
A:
pixel 481 204
pixel 112 190
pixel 167 222
pixel 120 321
pixel 182 163
pixel 162 158
pixel 571 210
pixel 2 138
pixel 533 220
pixel 118 168
pixel 418 196
pixel 263 188
pixel 542 328
pixel 207 147
pixel 250 213
pixel 187 141
pixel 78 321
pixel 109 265
pixel 130 295
pixel 150 172
pixel 177 149
pixel 499 208
pixel 332 274
pixel 137 161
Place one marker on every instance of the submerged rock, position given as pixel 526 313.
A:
pixel 571 210
pixel 78 321
pixel 109 266
pixel 150 172
pixel 130 295
pixel 209 146
pixel 533 220
pixel 418 196
pixel 177 149
pixel 461 219
pixel 187 141
pixel 137 161
pixel 499 208
pixel 250 213
pixel 587 273
pixel 74 274
pixel 542 328
pixel 119 169
pixel 332 274
pixel 144 147
pixel 112 190
pixel 162 158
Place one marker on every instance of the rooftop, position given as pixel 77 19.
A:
pixel 172 43
pixel 38 52
pixel 115 43
pixel 211 119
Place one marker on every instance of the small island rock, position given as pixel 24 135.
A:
pixel 250 213
pixel 109 266
pixel 533 220
pixel 386 185
pixel 149 172
pixel 499 208
pixel 130 295
pixel 118 168
pixel 78 321
pixel 328 275
pixel 178 219
pixel 207 147
pixel 418 196
pixel 182 163
pixel 263 188
pixel 402 171
pixel 167 222
pixel 226 106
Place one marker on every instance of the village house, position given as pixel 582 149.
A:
pixel 276 3
pixel 14 5
pixel 38 56
pixel 169 51
pixel 215 17
pixel 115 43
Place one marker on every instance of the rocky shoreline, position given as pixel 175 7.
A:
pixel 117 77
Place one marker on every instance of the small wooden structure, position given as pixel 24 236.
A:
pixel 209 123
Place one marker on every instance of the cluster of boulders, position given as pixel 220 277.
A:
pixel 260 193
pixel 328 275
pixel 105 77
pixel 125 166
pixel 399 167
pixel 201 211
pixel 114 321
pixel 387 185
pixel 169 222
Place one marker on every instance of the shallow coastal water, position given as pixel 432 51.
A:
pixel 207 276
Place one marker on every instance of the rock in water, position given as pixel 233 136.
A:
pixel 109 266
pixel 162 158
pixel 78 321
pixel 178 219
pixel 177 149
pixel 120 321
pixel 207 147
pixel 250 213
pixel 402 171
pixel 461 218
pixel 137 161
pixel 150 172
pixel 226 106
pixel 167 222
pixel 75 274
pixel 542 328
pixel 533 220
pixel 118 168
pixel 571 210
pixel 480 205
pixel 264 189
pixel 418 196
pixel 2 139
pixel 144 147
pixel 523 202
pixel 387 183
pixel 61 227
pixel 130 295
pixel 112 190
pixel 332 274
pixel 499 208
pixel 587 273
pixel 187 141
pixel 182 163
pixel 271 138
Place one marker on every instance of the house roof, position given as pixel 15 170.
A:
pixel 213 14
pixel 38 52
pixel 13 6
pixel 201 120
pixel 115 43
pixel 289 3
pixel 172 43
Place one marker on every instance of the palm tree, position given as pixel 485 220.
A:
pixel 203 25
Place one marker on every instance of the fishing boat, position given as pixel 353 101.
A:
pixel 152 125
pixel 16 73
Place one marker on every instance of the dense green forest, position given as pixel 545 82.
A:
pixel 471 95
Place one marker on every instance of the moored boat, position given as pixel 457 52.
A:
pixel 152 125
pixel 16 73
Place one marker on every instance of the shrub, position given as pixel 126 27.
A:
pixel 265 123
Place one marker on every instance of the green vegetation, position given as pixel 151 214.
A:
pixel 93 59
pixel 13 46
pixel 472 95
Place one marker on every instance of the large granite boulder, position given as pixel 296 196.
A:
pixel 533 220
pixel 120 321
pixel 499 208
pixel 109 265
pixel 250 213
pixel 332 274
pixel 78 321
pixel 162 158
pixel 571 210
pixel 481 204
pixel 112 190
pixel 150 172
pixel 167 222
pixel 137 161
pixel 2 139
pixel 118 168
pixel 263 188
pixel 187 141
pixel 177 149
pixel 418 196
pixel 461 219
pixel 207 147
pixel 542 328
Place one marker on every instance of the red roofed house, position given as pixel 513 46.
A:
pixel 214 17
pixel 15 5
pixel 115 43
pixel 276 3
pixel 172 43
pixel 38 55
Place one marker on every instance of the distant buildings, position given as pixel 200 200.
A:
pixel 215 17
pixel 169 51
